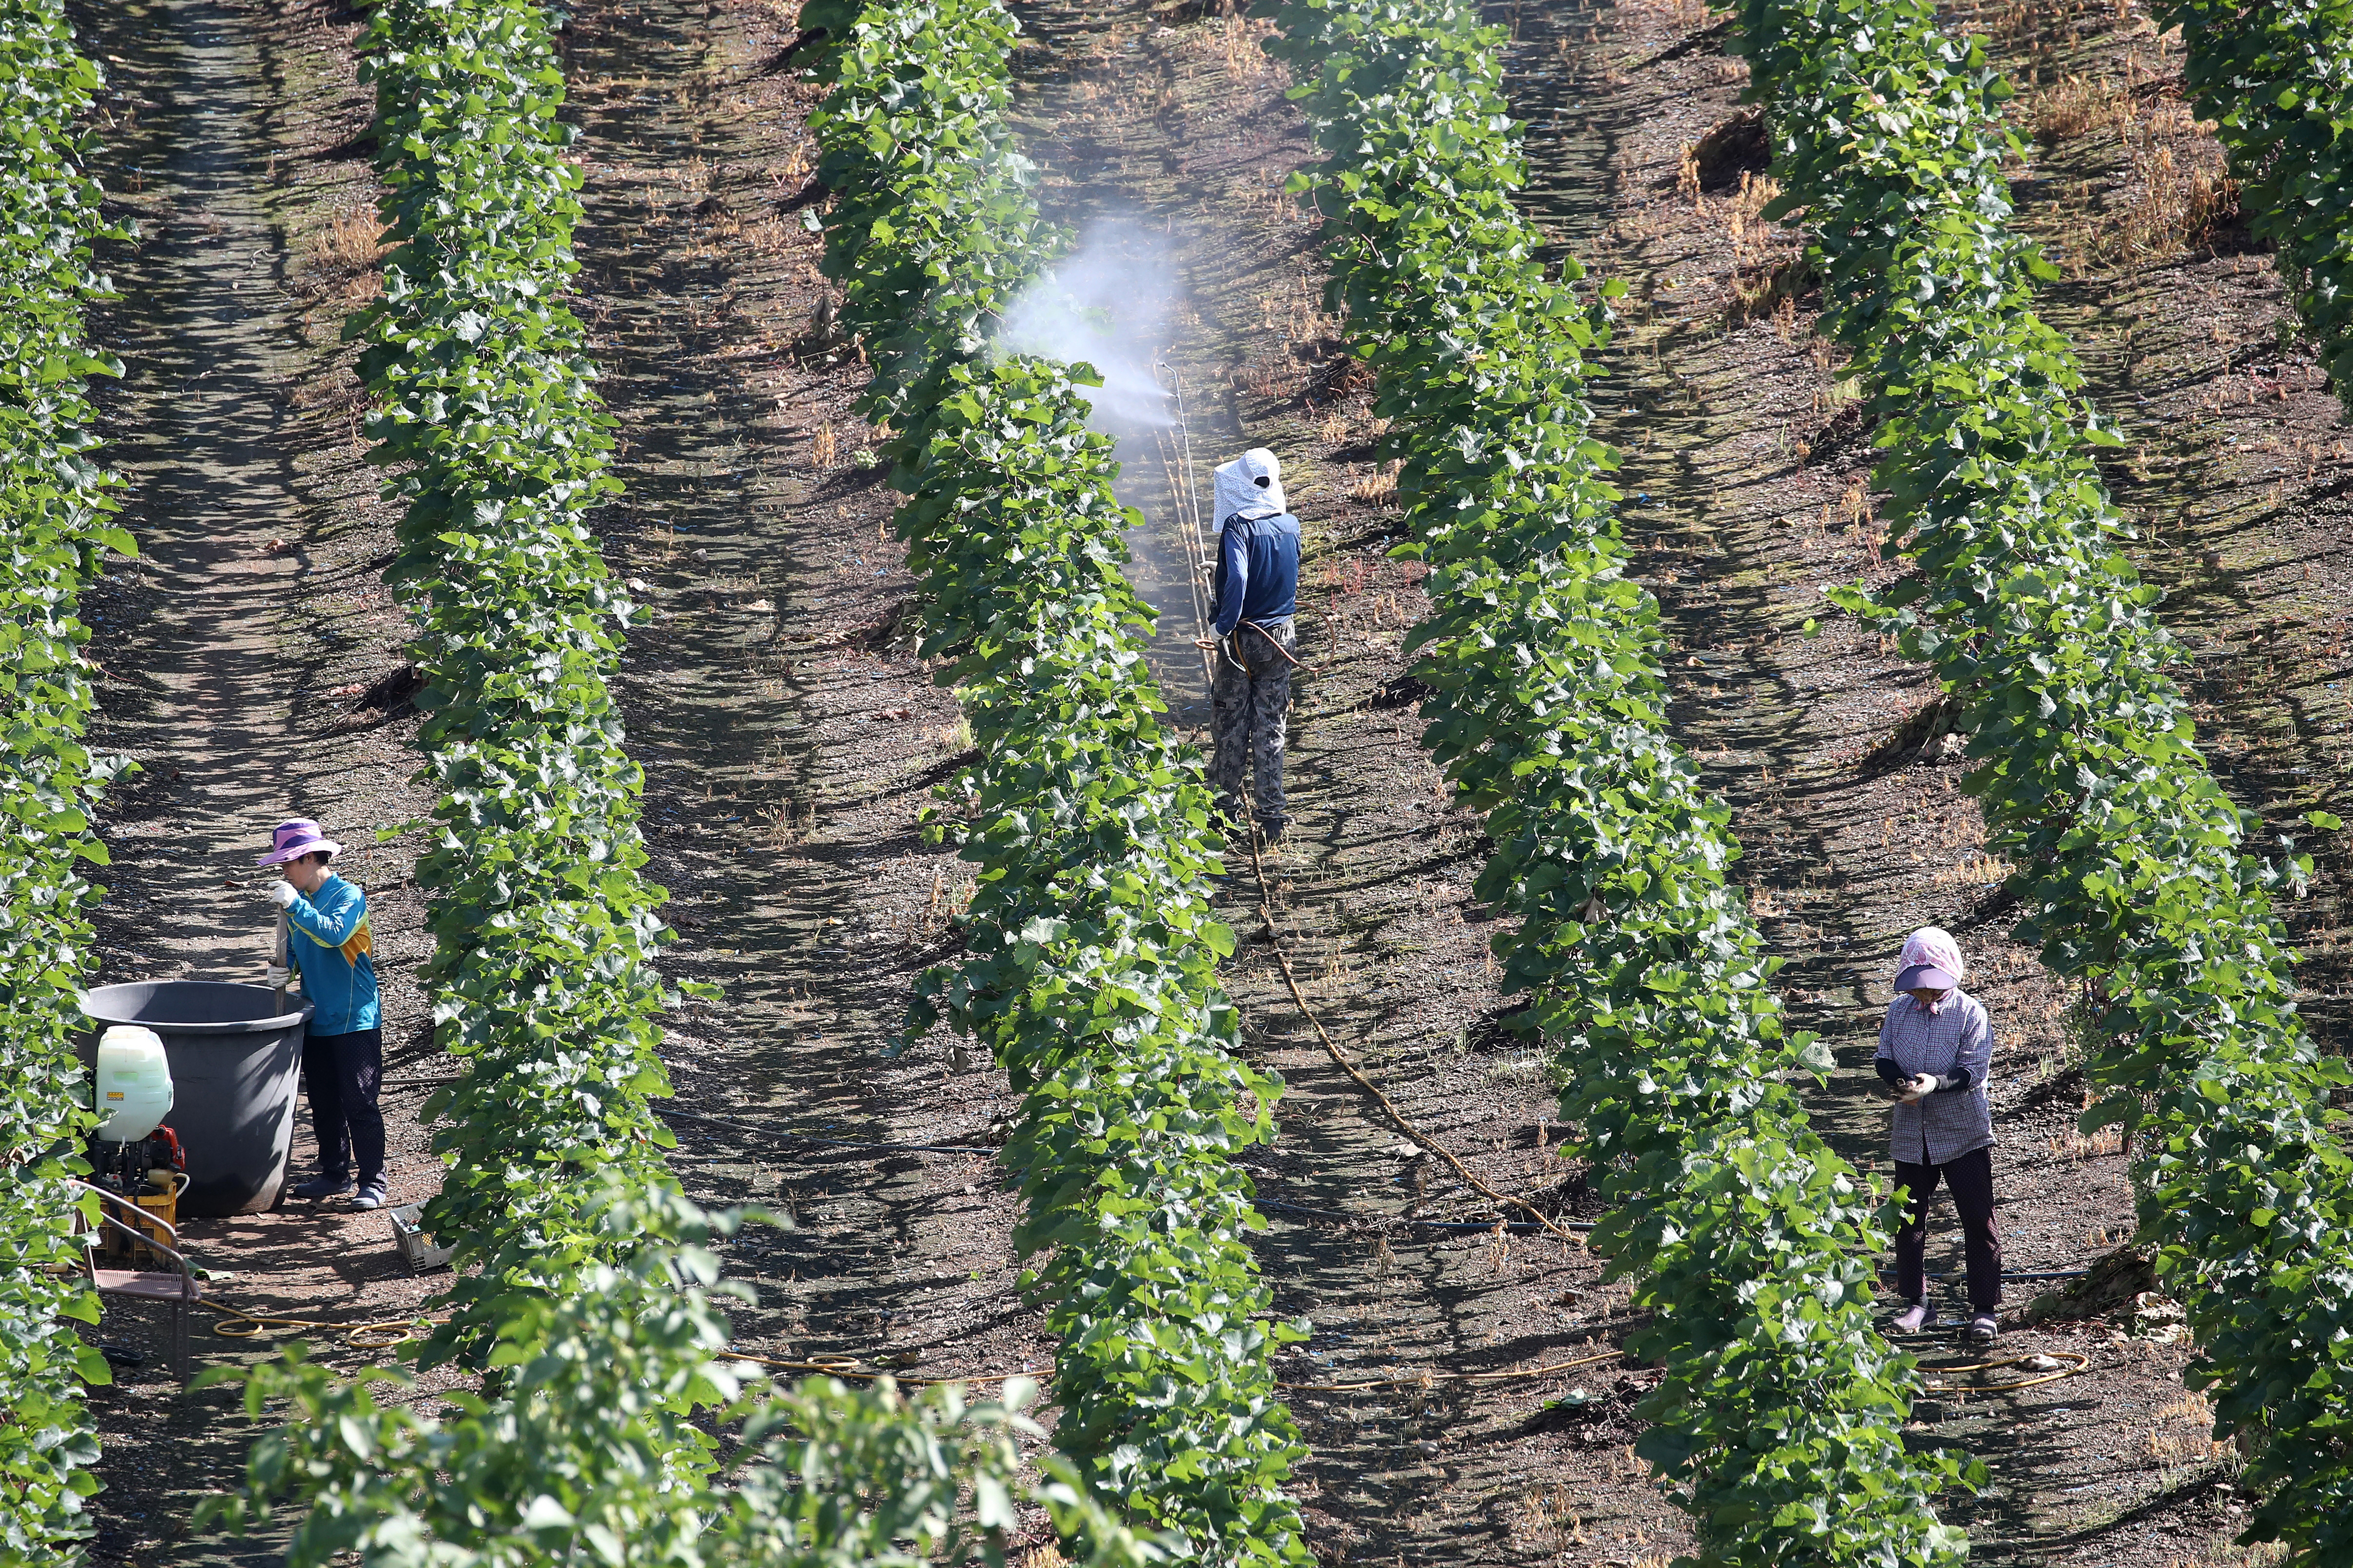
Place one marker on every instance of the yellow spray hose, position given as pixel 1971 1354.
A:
pixel 2077 1362
pixel 236 1324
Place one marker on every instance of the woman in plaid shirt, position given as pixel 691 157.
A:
pixel 1936 1049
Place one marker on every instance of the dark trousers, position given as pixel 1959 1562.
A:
pixel 341 1073
pixel 1970 1180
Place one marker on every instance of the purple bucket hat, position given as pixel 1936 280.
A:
pixel 300 836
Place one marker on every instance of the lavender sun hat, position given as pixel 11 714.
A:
pixel 300 836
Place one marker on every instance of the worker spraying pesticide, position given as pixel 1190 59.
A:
pixel 329 948
pixel 1936 1051
pixel 1256 587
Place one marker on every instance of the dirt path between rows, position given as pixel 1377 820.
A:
pixel 235 651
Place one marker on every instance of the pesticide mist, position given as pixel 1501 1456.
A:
pixel 1105 304
pixel 1109 304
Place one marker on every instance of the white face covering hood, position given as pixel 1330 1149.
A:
pixel 1250 486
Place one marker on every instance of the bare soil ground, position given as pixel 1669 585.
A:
pixel 790 735
pixel 239 649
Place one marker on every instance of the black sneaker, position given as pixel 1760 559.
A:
pixel 323 1187
pixel 369 1196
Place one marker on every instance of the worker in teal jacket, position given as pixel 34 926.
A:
pixel 330 950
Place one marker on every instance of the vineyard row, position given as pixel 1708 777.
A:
pixel 55 527
pixel 2135 872
pixel 1089 969
pixel 1780 1420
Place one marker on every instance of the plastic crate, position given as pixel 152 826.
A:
pixel 421 1255
pixel 120 1248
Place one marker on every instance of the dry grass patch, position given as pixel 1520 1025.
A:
pixel 2179 198
pixel 348 254
pixel 1378 488
pixel 2078 105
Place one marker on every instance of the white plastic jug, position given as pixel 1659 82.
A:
pixel 133 1089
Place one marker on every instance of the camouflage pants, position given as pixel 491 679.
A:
pixel 1249 701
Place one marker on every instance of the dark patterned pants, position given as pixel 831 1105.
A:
pixel 1249 702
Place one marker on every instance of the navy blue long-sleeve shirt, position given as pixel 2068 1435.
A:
pixel 1258 571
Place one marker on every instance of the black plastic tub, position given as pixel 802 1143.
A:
pixel 234 1057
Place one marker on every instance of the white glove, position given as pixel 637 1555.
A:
pixel 280 976
pixel 283 895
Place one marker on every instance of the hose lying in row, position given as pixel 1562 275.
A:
pixel 57 523
pixel 2135 869
pixel 1538 1219
pixel 1780 1416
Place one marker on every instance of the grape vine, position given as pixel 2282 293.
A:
pixel 56 528
pixel 1780 1420
pixel 2134 865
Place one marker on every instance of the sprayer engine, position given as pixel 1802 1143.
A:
pixel 132 1168
pixel 148 1174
